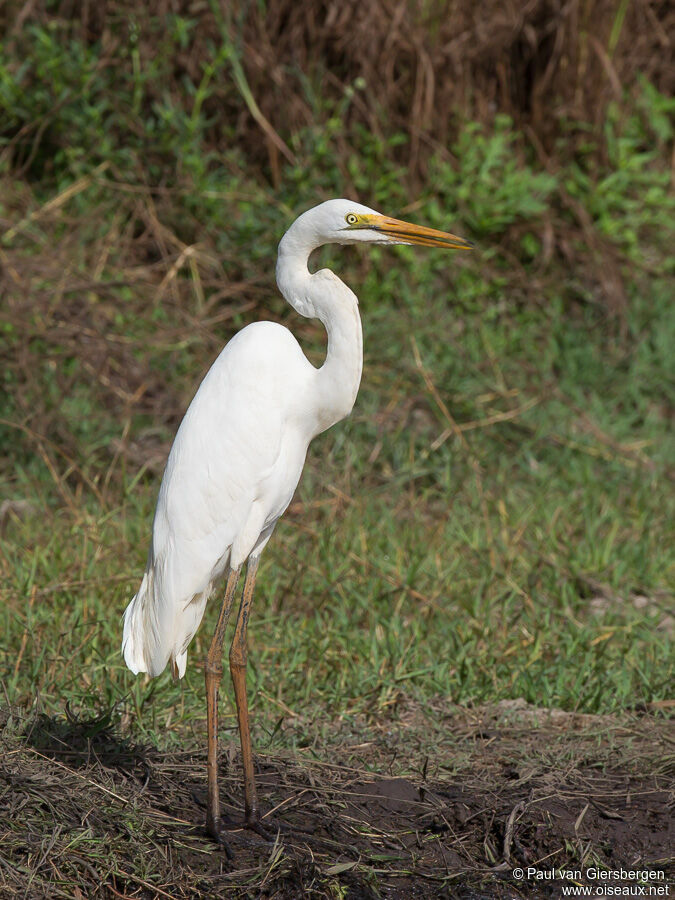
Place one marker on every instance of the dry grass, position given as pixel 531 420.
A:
pixel 484 525
pixel 89 813
pixel 390 65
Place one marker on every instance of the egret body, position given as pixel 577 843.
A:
pixel 237 459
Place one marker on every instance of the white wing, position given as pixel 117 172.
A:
pixel 232 471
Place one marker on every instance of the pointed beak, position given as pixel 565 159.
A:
pixel 406 233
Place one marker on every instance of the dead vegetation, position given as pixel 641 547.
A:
pixel 86 812
pixel 386 67
pixel 103 303
pixel 546 63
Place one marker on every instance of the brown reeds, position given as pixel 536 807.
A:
pixel 390 65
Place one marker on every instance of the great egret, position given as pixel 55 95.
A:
pixel 237 459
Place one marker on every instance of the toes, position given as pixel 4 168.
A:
pixel 215 832
pixel 264 831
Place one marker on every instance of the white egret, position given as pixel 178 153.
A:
pixel 237 459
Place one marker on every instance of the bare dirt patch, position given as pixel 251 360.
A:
pixel 444 804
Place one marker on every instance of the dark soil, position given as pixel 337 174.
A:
pixel 86 813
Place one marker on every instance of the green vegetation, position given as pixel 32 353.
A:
pixel 487 538
pixel 495 520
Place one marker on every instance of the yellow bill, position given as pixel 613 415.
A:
pixel 407 233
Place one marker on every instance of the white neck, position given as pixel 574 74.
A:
pixel 324 296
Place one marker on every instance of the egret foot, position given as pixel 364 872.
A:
pixel 215 832
pixel 252 822
pixel 269 832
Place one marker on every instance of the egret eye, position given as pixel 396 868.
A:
pixel 351 219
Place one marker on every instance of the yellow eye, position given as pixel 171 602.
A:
pixel 351 219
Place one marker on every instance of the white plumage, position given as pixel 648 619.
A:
pixel 232 471
pixel 238 456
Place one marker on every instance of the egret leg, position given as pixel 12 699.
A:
pixel 213 671
pixel 238 658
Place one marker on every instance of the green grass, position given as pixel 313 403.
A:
pixel 507 563
pixel 495 520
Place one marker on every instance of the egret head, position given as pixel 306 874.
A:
pixel 346 222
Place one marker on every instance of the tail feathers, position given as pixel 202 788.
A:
pixel 157 631
pixel 132 637
pixel 143 645
pixel 178 664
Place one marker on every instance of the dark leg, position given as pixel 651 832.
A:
pixel 213 671
pixel 238 657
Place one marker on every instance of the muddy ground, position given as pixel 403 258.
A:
pixel 433 803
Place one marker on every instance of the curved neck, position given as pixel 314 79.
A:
pixel 324 296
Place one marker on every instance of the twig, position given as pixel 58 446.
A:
pixel 508 836
pixel 56 202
